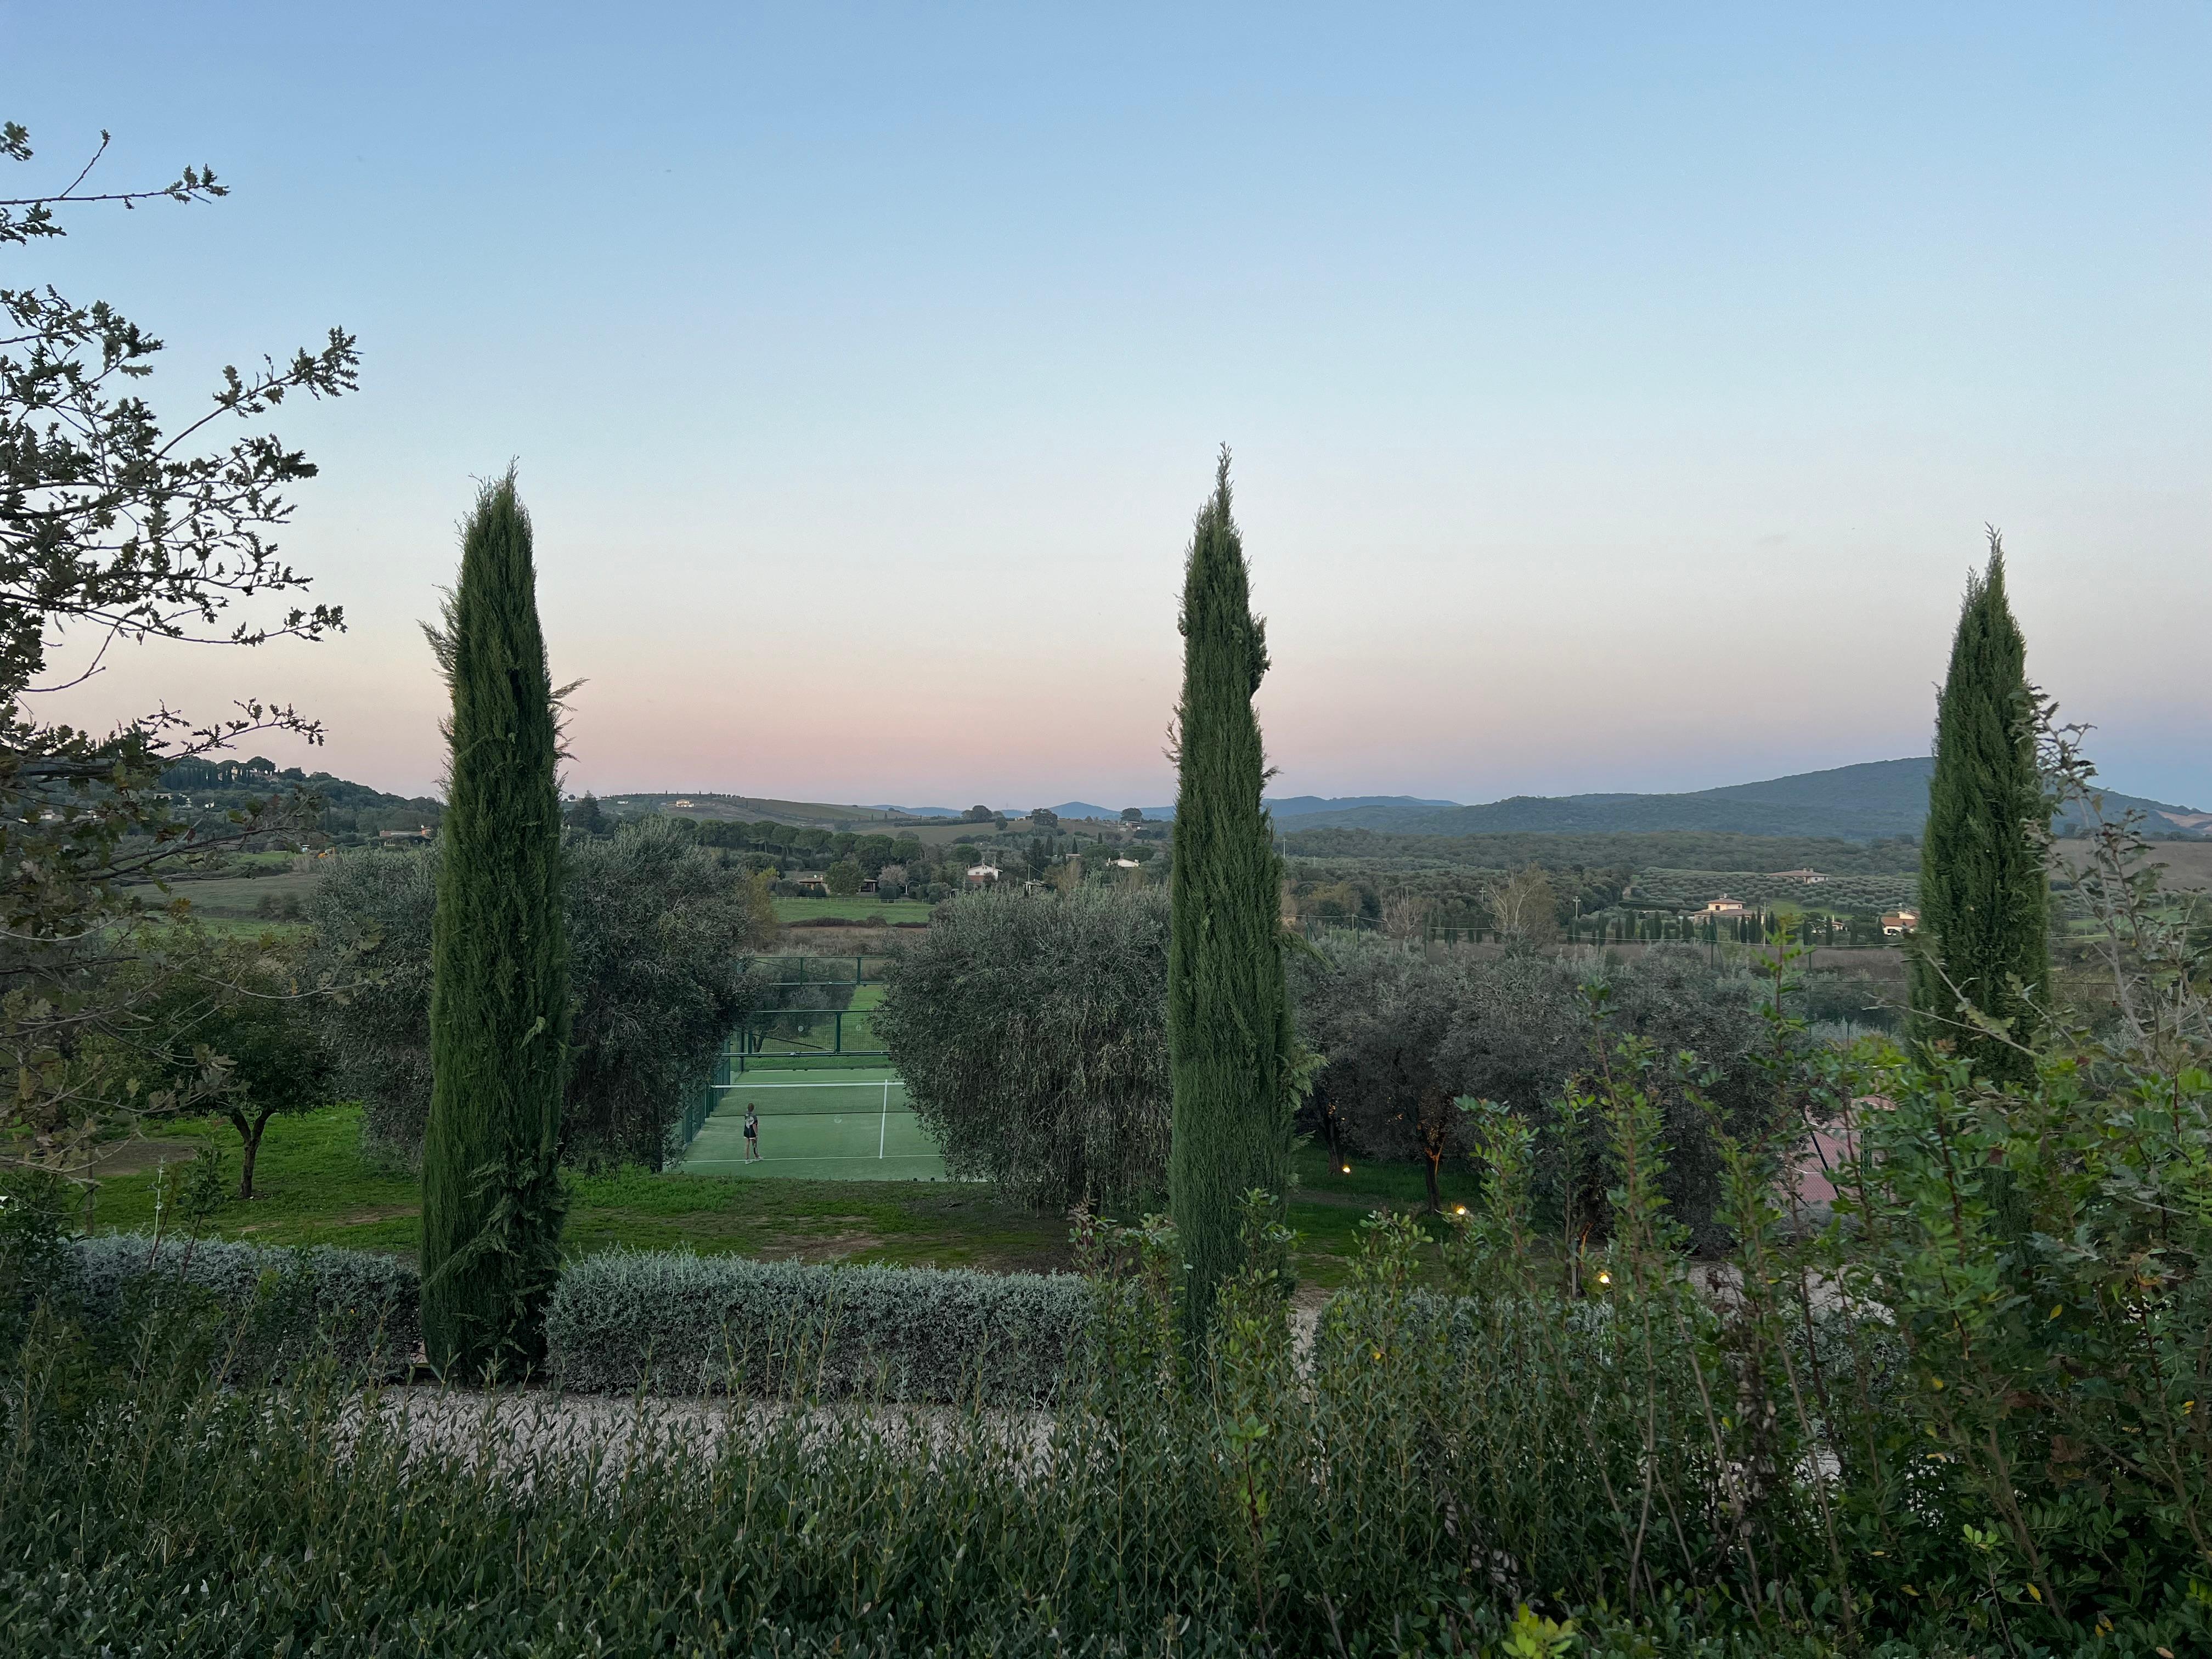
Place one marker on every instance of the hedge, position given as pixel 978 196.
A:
pixel 277 1305
pixel 675 1322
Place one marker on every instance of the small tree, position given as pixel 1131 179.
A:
pixel 1229 1019
pixel 1982 948
pixel 842 879
pixel 492 1207
pixel 1525 909
pixel 1132 815
pixel 1385 1022
pixel 232 1031
pixel 1043 817
pixel 587 816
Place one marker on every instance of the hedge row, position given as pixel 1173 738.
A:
pixel 671 1321
pixel 681 1323
pixel 278 1306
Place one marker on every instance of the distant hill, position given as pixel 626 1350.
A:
pixel 198 785
pixel 754 809
pixel 1086 809
pixel 1877 800
pixel 1291 806
pixel 1307 807
pixel 1873 801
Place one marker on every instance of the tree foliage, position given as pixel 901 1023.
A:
pixel 658 933
pixel 1229 1021
pixel 1402 1035
pixel 1031 1034
pixel 1982 959
pixel 115 530
pixel 232 1029
pixel 492 1207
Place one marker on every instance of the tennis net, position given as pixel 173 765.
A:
pixel 811 1099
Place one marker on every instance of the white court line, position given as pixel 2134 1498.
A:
pixel 825 1158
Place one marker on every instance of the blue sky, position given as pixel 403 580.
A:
pixel 1617 396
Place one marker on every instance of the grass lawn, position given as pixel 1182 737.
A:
pixel 857 908
pixel 239 898
pixel 315 1187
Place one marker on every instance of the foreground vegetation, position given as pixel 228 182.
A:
pixel 1961 1418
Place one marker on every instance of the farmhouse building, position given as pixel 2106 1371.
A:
pixel 1810 877
pixel 1722 906
pixel 1895 924
pixel 979 874
pixel 812 883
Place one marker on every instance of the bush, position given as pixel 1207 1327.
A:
pixel 276 1307
pixel 1031 1030
pixel 684 1323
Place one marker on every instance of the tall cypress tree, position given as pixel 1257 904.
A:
pixel 1229 1019
pixel 499 1004
pixel 1985 899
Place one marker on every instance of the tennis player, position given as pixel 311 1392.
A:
pixel 752 1134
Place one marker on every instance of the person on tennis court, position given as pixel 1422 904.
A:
pixel 752 1134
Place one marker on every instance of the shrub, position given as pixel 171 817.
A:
pixel 1031 1031
pixel 686 1323
pixel 277 1307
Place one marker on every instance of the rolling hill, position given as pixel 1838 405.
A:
pixel 1873 801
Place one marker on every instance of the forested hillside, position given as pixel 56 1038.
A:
pixel 343 809
pixel 1874 801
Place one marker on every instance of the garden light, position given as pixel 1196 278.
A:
pixel 1604 1279
pixel 1460 1210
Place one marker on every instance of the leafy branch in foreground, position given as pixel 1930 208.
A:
pixel 114 529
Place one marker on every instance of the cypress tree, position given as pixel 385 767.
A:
pixel 1230 1041
pixel 1983 936
pixel 499 1003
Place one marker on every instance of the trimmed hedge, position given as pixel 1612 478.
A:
pixel 277 1305
pixel 682 1323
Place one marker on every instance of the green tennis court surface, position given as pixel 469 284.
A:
pixel 853 1125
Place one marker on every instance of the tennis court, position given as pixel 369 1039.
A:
pixel 853 1125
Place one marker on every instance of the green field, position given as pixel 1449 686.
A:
pixel 315 1187
pixel 854 1126
pixel 859 906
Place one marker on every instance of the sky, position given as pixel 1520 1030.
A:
pixel 1617 394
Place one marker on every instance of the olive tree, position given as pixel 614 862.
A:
pixel 1031 1030
pixel 659 934
pixel 1403 1035
pixel 231 1031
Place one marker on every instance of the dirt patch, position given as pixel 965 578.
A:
pixel 130 1158
pixel 827 1247
pixel 368 1217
